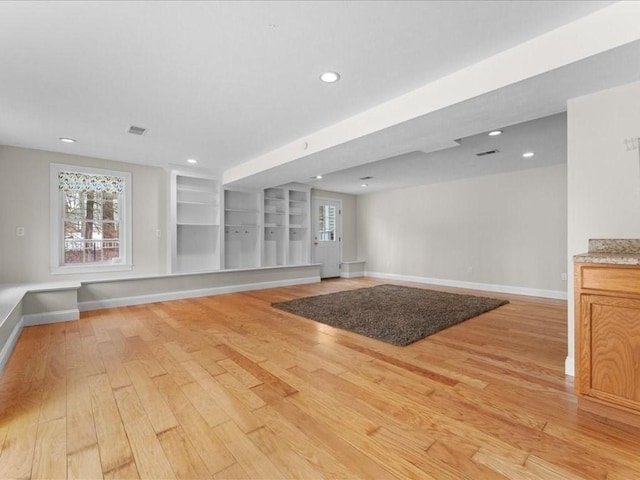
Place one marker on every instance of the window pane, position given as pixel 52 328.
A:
pixel 73 242
pixel 109 206
pixel 111 242
pixel 327 220
pixel 73 206
pixel 91 228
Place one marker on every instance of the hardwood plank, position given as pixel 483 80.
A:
pixel 81 430
pixel 207 445
pixel 118 376
pixel 169 363
pixel 157 410
pixel 230 404
pixel 115 450
pixel 360 464
pixel 205 404
pixel 208 361
pixel 296 440
pixel 460 459
pixel 234 472
pixel 150 459
pixel 504 466
pixel 282 456
pixel 123 472
pixel 239 373
pixel 85 463
pixel 16 457
pixel 238 390
pixel 184 460
pixel 250 458
pixel 50 457
pixel 257 371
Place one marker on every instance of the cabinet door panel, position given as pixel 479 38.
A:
pixel 615 350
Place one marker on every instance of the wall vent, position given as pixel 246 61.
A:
pixel 366 178
pixel 488 152
pixel 137 130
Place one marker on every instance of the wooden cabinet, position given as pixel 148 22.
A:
pixel 607 320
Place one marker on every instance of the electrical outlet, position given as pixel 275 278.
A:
pixel 469 269
pixel 158 233
pixel 563 277
pixel 19 231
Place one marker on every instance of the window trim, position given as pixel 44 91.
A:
pixel 56 241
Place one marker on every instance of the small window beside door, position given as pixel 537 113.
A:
pixel 327 223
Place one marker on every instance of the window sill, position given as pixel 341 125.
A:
pixel 69 269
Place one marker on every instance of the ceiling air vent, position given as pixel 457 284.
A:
pixel 366 178
pixel 137 130
pixel 488 152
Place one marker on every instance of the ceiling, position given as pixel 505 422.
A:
pixel 228 82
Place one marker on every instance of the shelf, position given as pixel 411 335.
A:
pixel 299 202
pixel 240 225
pixel 191 188
pixel 194 224
pixel 297 226
pixel 189 202
pixel 272 225
pixel 241 210
pixel 274 198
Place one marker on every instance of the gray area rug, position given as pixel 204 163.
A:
pixel 391 313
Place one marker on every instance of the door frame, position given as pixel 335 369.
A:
pixel 313 228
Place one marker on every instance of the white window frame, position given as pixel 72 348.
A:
pixel 123 262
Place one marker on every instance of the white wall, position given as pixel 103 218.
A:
pixel 509 228
pixel 24 195
pixel 603 177
pixel 349 223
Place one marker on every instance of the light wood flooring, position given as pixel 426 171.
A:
pixel 227 387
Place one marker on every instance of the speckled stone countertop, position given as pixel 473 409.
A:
pixel 617 251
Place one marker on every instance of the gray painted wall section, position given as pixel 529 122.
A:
pixel 507 229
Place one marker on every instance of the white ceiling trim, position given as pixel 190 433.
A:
pixel 603 30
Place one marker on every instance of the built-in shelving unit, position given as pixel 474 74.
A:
pixel 242 228
pixel 195 222
pixel 231 228
pixel 275 227
pixel 299 225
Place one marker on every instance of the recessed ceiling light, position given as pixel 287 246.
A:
pixel 318 177
pixel 364 185
pixel 192 160
pixel 528 154
pixel 494 133
pixel 67 140
pixel 330 77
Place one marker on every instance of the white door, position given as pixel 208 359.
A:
pixel 327 225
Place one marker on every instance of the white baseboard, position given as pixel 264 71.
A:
pixel 202 292
pixel 33 319
pixel 8 347
pixel 489 287
pixel 351 274
pixel 570 366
